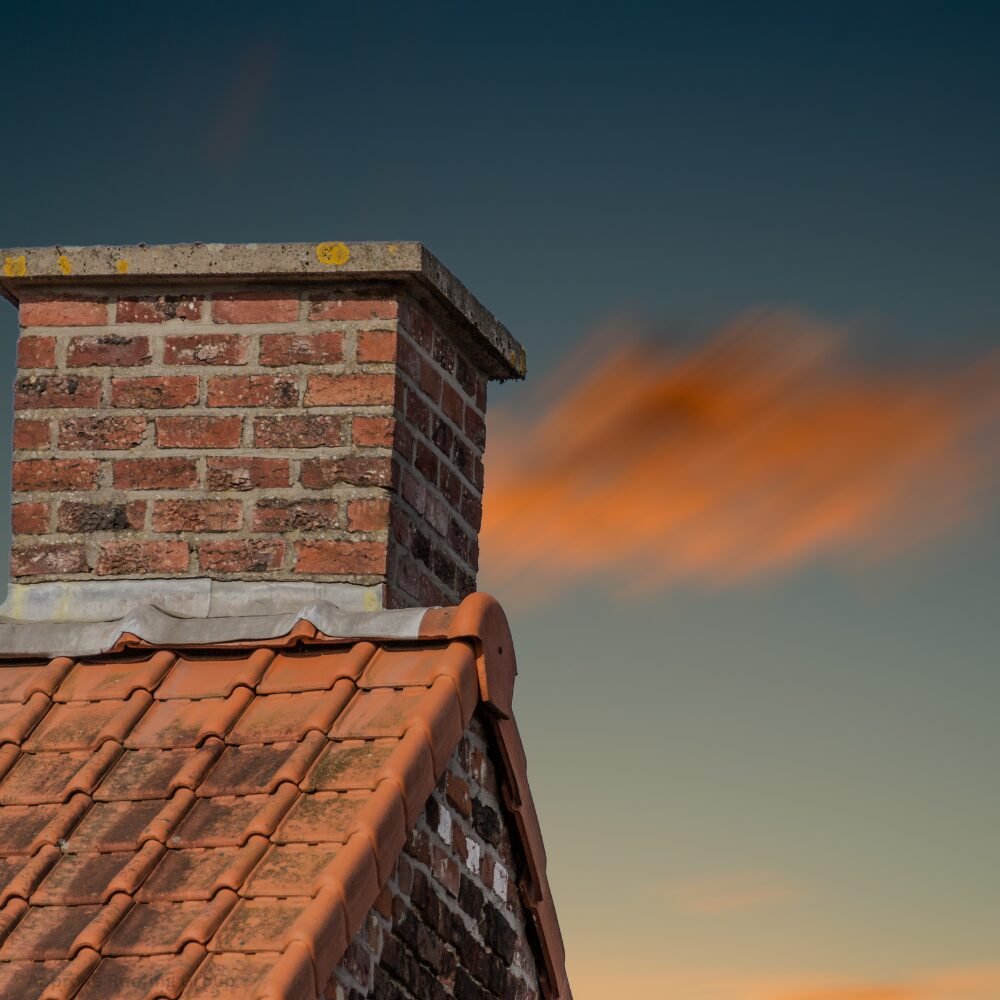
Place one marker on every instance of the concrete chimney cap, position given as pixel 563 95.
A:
pixel 188 264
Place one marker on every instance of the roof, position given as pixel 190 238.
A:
pixel 216 821
pixel 409 264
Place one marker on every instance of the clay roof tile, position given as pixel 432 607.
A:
pixel 215 822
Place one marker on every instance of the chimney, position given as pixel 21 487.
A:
pixel 311 417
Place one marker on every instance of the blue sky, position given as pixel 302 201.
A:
pixel 788 783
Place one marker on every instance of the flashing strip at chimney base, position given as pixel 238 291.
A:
pixel 151 625
pixel 111 600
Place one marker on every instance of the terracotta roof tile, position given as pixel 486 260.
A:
pixel 272 718
pixel 259 769
pixel 126 826
pixel 214 676
pixel 148 976
pixel 18 683
pixel 153 773
pixel 345 765
pixel 115 680
pixel 28 979
pixel 315 669
pixel 184 723
pixel 78 879
pixel 86 725
pixel 372 714
pixel 198 873
pixel 320 818
pixel 48 932
pixel 292 868
pixel 164 928
pixel 215 823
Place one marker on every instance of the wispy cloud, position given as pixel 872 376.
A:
pixel 731 893
pixel 596 978
pixel 241 101
pixel 762 449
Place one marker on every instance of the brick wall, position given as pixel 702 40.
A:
pixel 264 434
pixel 450 921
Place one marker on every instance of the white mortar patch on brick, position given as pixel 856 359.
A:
pixel 500 880
pixel 472 859
pixel 444 826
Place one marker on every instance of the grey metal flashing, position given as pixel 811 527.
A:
pixel 159 629
pixel 412 264
pixel 107 600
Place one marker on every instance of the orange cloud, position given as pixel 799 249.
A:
pixel 731 893
pixel 750 455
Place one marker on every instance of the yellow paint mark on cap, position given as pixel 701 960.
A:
pixel 15 267
pixel 332 253
pixel 393 249
pixel 65 264
pixel 122 266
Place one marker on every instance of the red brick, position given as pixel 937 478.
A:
pixel 158 308
pixel 30 518
pixel 31 435
pixel 453 405
pixel 377 345
pixel 457 793
pixel 298 431
pixel 368 514
pixel 78 517
pixel 154 392
pixel 101 433
pixel 206 349
pixel 418 413
pixel 430 381
pixel 426 462
pixel 407 357
pixel 253 390
pixel 109 349
pixel 356 470
pixel 444 352
pixel 301 515
pixel 325 556
pixel 53 475
pixel 39 392
pixel 64 312
pixel 254 555
pixel 36 352
pixel 197 515
pixel 141 557
pixel 419 325
pixel 302 348
pixel 350 390
pixel 255 307
pixel 466 376
pixel 48 559
pixel 413 490
pixel 242 473
pixel 475 427
pixel 481 394
pixel 372 432
pixel 325 307
pixel 445 870
pixel 199 432
pixel 155 473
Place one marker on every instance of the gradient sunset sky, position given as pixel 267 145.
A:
pixel 744 514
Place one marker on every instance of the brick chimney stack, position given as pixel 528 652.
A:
pixel 253 413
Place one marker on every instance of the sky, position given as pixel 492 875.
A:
pixel 752 252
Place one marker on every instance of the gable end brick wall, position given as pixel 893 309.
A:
pixel 450 922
